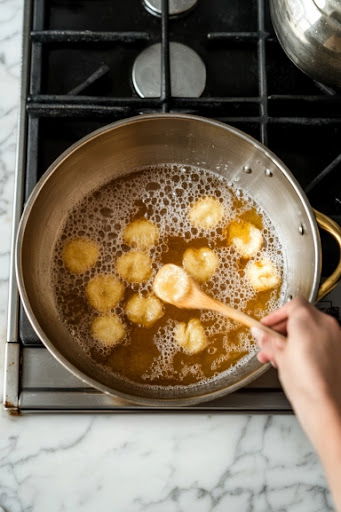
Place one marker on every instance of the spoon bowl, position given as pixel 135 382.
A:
pixel 173 285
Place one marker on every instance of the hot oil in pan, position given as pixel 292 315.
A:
pixel 164 195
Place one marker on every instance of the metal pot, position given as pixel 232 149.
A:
pixel 121 148
pixel 310 33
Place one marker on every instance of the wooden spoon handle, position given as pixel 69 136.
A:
pixel 241 317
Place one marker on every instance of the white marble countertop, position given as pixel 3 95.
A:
pixel 127 463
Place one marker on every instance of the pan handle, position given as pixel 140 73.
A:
pixel 334 229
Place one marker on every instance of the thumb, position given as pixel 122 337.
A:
pixel 262 338
pixel 270 345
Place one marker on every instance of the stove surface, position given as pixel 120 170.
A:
pixel 87 64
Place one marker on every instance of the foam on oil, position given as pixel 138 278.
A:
pixel 163 195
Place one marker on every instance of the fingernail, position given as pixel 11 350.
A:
pixel 258 334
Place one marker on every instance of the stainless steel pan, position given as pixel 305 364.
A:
pixel 121 148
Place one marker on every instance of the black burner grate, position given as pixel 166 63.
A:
pixel 80 79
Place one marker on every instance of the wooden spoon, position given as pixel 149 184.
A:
pixel 173 285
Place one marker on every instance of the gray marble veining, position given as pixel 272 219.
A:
pixel 161 463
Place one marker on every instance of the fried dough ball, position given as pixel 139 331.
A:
pixel 80 254
pixel 206 212
pixel 108 330
pixel 104 292
pixel 144 310
pixel 171 283
pixel 263 275
pixel 134 266
pixel 191 336
pixel 141 233
pixel 200 263
pixel 245 238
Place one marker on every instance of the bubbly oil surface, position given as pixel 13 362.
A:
pixel 164 195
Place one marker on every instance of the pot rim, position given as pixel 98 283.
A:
pixel 165 402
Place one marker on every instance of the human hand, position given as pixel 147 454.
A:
pixel 308 362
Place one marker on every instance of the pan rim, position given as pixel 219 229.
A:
pixel 157 402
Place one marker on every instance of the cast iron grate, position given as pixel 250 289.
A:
pixel 80 80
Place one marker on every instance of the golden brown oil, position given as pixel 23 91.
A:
pixel 164 195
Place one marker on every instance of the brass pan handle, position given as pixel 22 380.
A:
pixel 334 229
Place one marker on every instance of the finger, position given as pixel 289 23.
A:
pixel 280 327
pixel 259 335
pixel 281 314
pixel 264 338
pixel 278 316
pixel 271 347
pixel 263 358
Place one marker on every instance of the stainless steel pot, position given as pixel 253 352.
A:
pixel 121 148
pixel 310 33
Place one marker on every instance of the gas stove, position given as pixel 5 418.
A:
pixel 87 64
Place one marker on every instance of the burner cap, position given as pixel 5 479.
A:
pixel 176 7
pixel 188 72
